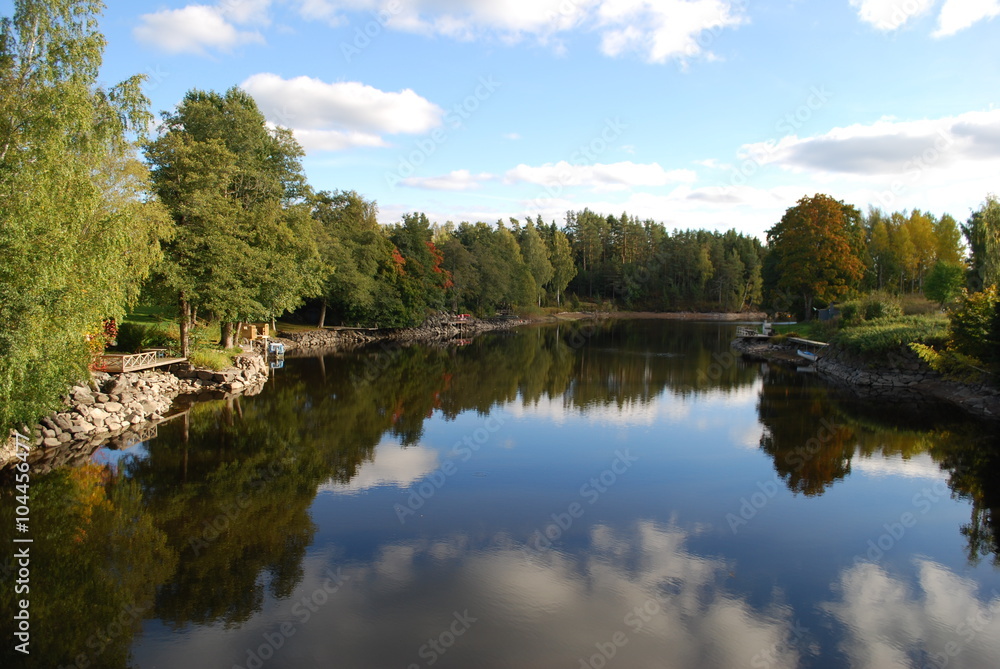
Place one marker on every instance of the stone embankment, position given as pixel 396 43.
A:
pixel 123 409
pixel 434 328
pixel 900 376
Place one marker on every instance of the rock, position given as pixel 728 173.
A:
pixel 205 375
pixel 113 407
pixel 97 413
pixel 82 427
pixel 64 437
pixel 49 442
pixel 103 398
pixel 63 422
pixel 117 385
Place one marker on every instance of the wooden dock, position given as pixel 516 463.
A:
pixel 119 363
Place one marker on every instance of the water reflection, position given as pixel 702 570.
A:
pixel 217 532
pixel 942 620
pixel 636 593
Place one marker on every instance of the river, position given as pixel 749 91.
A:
pixel 622 494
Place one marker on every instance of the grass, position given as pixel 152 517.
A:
pixel 215 359
pixel 884 335
pixel 815 330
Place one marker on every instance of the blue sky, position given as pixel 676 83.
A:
pixel 696 113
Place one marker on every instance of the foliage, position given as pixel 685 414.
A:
pixel 890 334
pixel 133 337
pixel 975 328
pixel 78 231
pixel 815 250
pixel 944 282
pixel 245 242
pixel 982 231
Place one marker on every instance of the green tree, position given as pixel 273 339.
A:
pixel 944 282
pixel 563 268
pixel 78 230
pixel 982 231
pixel 244 245
pixel 536 257
pixel 813 250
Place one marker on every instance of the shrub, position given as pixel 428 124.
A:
pixel 880 305
pixel 133 337
pixel 850 311
pixel 975 327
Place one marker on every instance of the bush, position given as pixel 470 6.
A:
pixel 975 327
pixel 133 337
pixel 850 311
pixel 881 305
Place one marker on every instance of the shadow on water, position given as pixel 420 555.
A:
pixel 212 519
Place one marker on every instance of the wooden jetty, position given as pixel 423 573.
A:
pixel 119 363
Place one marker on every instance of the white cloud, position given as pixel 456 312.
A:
pixel 334 116
pixel 199 28
pixel 513 136
pixel 661 30
pixel 888 146
pixel 656 30
pixel 886 620
pixel 919 467
pixel 457 180
pixel 336 140
pixel 888 15
pixel 957 15
pixel 391 465
pixel 600 176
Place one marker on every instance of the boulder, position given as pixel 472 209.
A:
pixel 49 442
pixel 113 407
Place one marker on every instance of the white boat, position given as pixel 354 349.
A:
pixel 811 357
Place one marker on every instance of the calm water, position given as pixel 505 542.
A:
pixel 623 496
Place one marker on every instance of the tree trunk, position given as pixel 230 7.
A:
pixel 322 316
pixel 809 306
pixel 227 335
pixel 185 323
pixel 194 316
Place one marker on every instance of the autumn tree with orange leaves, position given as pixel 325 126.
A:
pixel 814 250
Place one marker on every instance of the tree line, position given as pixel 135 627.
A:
pixel 214 216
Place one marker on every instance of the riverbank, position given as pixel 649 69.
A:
pixel 122 410
pixel 899 377
pixel 434 328
pixel 753 316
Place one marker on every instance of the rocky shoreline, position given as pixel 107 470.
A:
pixel 440 327
pixel 124 409
pixel 898 377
